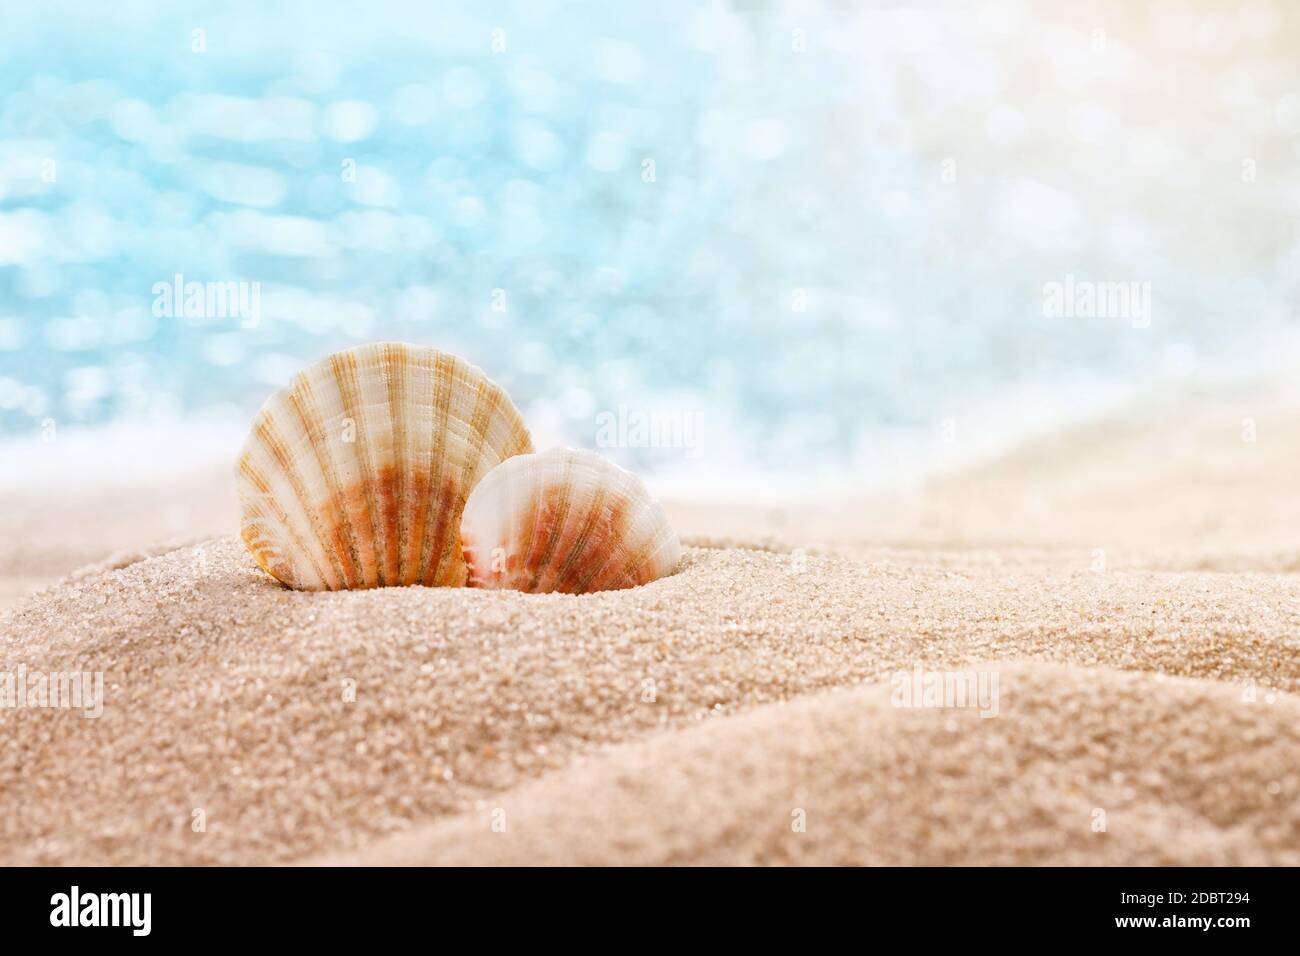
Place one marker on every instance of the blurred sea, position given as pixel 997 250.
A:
pixel 814 238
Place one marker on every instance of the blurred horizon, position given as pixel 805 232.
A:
pixel 810 240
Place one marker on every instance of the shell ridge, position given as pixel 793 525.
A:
pixel 538 515
pixel 344 367
pixel 421 480
pixel 276 439
pixel 484 407
pixel 580 545
pixel 339 578
pixel 445 381
pixel 553 526
pixel 584 500
pixel 260 545
pixel 265 500
pixel 615 573
pixel 523 524
pixel 666 545
pixel 617 519
pixel 618 525
pixel 347 555
pixel 380 463
pixel 650 551
pixel 639 555
pixel 600 578
pixel 395 382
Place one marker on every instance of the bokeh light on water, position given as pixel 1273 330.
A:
pixel 824 229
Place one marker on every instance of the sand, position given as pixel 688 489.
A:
pixel 1190 481
pixel 48 532
pixel 227 694
pixel 1079 767
pixel 1123 581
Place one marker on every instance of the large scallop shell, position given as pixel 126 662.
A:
pixel 356 474
pixel 565 520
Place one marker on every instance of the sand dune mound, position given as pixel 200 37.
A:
pixel 1079 766
pixel 244 723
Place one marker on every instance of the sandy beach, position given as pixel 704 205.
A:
pixel 1127 584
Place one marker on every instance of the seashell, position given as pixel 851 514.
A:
pixel 355 475
pixel 565 520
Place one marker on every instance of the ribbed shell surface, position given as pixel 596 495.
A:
pixel 565 520
pixel 356 474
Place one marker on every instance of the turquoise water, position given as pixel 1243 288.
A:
pixel 815 235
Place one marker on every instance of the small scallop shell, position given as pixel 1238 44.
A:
pixel 356 474
pixel 565 520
